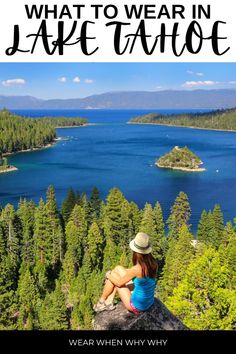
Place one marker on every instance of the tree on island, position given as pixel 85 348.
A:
pixel 3 162
pixel 180 158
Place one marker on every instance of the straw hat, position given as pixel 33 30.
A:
pixel 140 244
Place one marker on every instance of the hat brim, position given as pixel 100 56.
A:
pixel 135 249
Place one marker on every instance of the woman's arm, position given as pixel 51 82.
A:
pixel 131 273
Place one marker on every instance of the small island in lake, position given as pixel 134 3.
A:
pixel 4 167
pixel 180 159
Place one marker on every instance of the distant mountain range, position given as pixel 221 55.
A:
pixel 195 99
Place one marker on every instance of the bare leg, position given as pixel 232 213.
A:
pixel 124 291
pixel 111 297
pixel 109 289
pixel 125 296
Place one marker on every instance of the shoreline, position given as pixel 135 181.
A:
pixel 33 149
pixel 185 169
pixel 182 126
pixel 13 168
pixel 9 169
pixel 76 126
pixel 46 146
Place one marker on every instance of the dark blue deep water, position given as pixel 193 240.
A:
pixel 113 153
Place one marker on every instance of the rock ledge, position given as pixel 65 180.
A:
pixel 158 317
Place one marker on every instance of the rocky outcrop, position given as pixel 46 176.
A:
pixel 158 317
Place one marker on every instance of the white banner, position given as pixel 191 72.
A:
pixel 121 31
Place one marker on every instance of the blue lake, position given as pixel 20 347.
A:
pixel 113 153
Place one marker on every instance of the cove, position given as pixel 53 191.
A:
pixel 114 153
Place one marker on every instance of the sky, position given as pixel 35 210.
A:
pixel 77 80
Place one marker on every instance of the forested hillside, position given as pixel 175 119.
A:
pixel 60 122
pixel 219 120
pixel 18 133
pixel 53 262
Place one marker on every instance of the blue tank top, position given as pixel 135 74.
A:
pixel 143 295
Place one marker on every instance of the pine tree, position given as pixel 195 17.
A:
pixel 13 238
pixel 149 227
pixel 211 235
pixel 159 239
pixel 80 285
pixel 77 198
pixel 76 241
pixel 43 288
pixel 147 223
pixel 219 225
pixel 178 257
pixel 203 227
pixel 95 202
pixel 53 312
pixel 111 256
pixel 82 314
pixel 86 312
pixel 3 247
pixel 69 270
pixel 54 229
pixel 125 261
pixel 211 227
pixel 202 300
pixel 7 294
pixel 231 259
pixel 26 215
pixel 85 205
pixel 42 235
pixel 76 318
pixel 228 234
pixel 180 214
pixel 136 217
pixel 113 216
pixel 78 217
pixel 126 230
pixel 78 220
pixel 102 216
pixel 95 246
pixel 42 241
pixel 68 205
pixel 87 267
pixel 28 301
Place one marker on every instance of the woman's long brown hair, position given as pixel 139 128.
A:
pixel 148 264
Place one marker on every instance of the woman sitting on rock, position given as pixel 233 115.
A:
pixel 143 273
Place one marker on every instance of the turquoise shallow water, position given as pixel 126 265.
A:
pixel 113 153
